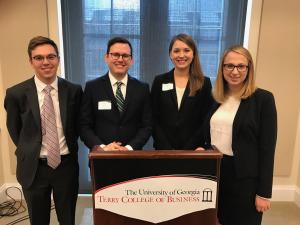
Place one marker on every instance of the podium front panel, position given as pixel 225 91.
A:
pixel 177 187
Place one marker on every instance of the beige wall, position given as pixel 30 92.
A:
pixel 276 51
pixel 2 124
pixel 20 20
pixel 277 59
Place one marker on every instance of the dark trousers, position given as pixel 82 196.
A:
pixel 63 182
pixel 236 205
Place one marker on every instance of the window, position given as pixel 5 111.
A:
pixel 149 25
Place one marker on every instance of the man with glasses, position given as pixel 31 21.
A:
pixel 115 112
pixel 42 121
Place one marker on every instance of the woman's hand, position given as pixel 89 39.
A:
pixel 262 204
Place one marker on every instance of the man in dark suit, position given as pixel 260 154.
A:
pixel 115 110
pixel 42 122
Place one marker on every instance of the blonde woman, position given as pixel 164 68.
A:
pixel 243 126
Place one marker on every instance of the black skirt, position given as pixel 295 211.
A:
pixel 236 204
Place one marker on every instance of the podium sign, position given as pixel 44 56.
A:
pixel 155 187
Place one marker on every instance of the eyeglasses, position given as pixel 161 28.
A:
pixel 240 67
pixel 116 56
pixel 40 58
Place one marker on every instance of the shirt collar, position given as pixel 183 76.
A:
pixel 40 85
pixel 113 80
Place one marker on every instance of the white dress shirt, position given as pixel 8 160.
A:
pixel 54 95
pixel 113 82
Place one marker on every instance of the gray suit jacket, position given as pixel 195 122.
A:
pixel 24 123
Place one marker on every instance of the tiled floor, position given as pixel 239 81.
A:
pixel 281 213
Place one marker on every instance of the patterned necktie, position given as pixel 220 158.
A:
pixel 119 97
pixel 49 130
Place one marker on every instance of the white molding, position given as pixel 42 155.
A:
pixel 297 197
pixel 281 193
pixel 85 195
pixel 284 193
pixel 252 27
pixel 2 195
pixel 60 36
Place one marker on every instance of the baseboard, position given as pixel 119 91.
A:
pixel 281 193
pixel 14 192
pixel 284 193
pixel 297 197
pixel 2 194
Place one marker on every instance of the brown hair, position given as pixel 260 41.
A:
pixel 220 90
pixel 40 40
pixel 196 78
pixel 118 40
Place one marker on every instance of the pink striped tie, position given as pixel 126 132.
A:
pixel 49 129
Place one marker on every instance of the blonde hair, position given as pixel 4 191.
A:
pixel 220 90
pixel 196 78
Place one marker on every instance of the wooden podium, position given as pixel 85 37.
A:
pixel 128 170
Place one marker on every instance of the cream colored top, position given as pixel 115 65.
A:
pixel 221 125
pixel 179 94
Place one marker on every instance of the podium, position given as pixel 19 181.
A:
pixel 155 187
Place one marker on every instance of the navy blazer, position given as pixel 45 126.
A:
pixel 254 135
pixel 173 128
pixel 24 123
pixel 103 126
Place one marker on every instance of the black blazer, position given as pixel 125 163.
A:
pixel 98 126
pixel 173 128
pixel 254 135
pixel 24 123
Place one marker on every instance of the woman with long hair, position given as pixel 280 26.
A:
pixel 181 98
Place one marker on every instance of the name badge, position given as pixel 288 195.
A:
pixel 104 105
pixel 167 87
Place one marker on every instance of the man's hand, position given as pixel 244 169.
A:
pixel 114 146
pixel 123 148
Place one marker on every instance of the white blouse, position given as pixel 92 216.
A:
pixel 221 125
pixel 179 94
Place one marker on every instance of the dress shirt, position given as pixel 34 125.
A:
pixel 54 94
pixel 113 82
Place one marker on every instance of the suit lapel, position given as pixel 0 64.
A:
pixel 63 102
pixel 33 100
pixel 129 93
pixel 174 94
pixel 109 91
pixel 240 115
pixel 170 79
